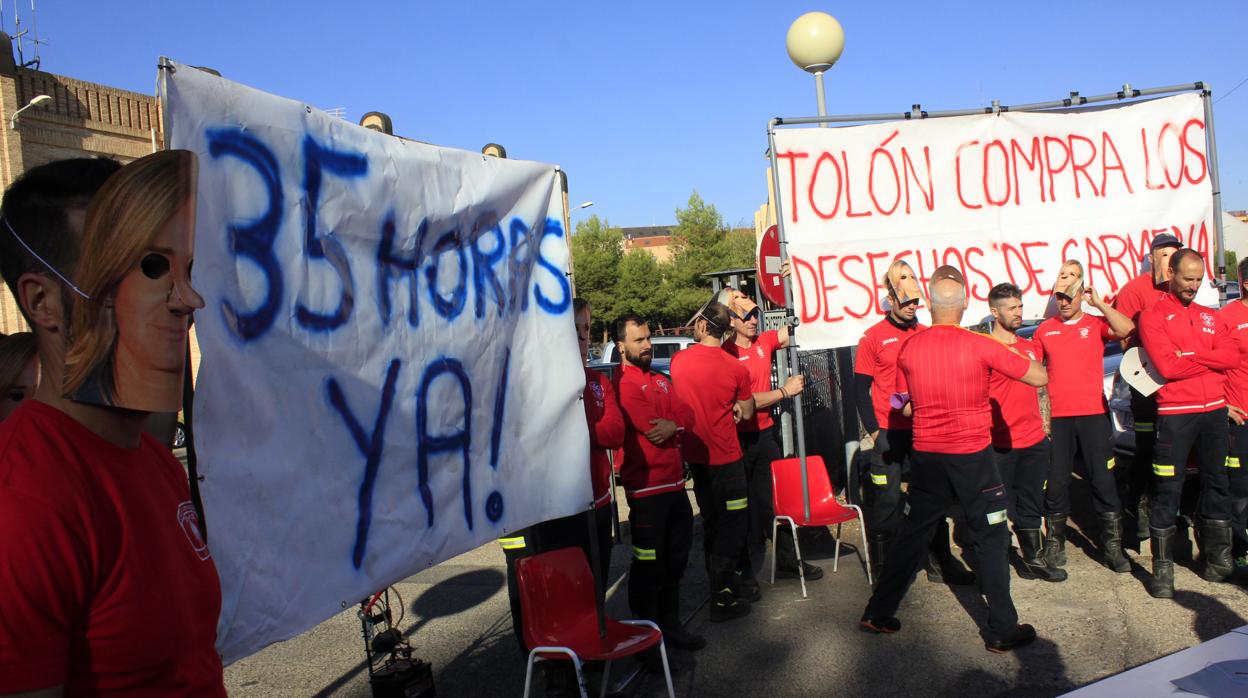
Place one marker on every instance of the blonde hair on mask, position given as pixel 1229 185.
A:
pixel 128 212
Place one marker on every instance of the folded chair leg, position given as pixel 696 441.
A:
pixel 667 672
pixel 528 673
pixel 580 677
pixel 866 550
pixel 836 559
pixel 606 678
pixel 775 521
pixel 797 548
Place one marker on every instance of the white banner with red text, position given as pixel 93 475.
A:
pixel 1004 197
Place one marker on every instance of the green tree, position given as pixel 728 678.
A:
pixel 640 288
pixel 702 243
pixel 597 250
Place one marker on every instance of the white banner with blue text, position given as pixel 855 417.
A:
pixel 390 375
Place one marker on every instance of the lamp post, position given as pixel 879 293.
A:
pixel 815 42
pixel 38 101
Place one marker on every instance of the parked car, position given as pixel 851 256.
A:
pixel 664 348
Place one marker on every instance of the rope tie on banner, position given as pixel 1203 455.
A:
pixel 73 287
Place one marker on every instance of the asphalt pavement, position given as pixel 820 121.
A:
pixel 1096 624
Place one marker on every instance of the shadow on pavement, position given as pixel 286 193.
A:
pixel 1213 618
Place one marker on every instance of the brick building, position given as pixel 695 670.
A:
pixel 81 119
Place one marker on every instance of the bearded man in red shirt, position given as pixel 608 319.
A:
pixel 1191 347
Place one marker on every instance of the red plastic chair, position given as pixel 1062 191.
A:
pixel 561 618
pixel 825 509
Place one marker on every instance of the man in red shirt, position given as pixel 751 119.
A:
pixel 1021 447
pixel 943 378
pixel 760 444
pixel 653 474
pixel 1235 315
pixel 1072 346
pixel 875 371
pixel 1140 294
pixel 109 588
pixel 606 431
pixel 1192 348
pixel 717 388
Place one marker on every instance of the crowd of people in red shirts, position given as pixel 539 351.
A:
pixel 94 546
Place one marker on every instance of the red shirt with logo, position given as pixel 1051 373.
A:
pixel 947 369
pixel 877 357
pixel 710 382
pixel 1139 294
pixel 106 587
pixel 1016 421
pixel 606 431
pixel 649 469
pixel 1195 381
pixel 757 360
pixel 1074 353
pixel 1235 315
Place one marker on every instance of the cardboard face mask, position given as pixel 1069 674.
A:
pixel 1069 282
pixel 129 340
pixel 903 285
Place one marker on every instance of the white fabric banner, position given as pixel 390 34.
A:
pixel 390 372
pixel 1004 197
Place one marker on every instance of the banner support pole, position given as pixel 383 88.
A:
pixel 1219 266
pixel 790 319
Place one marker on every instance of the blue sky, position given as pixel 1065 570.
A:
pixel 644 102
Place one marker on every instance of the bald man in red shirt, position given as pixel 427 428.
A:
pixel 943 382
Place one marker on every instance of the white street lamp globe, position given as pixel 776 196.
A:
pixel 815 41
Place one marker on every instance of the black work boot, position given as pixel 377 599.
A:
pixel 942 568
pixel 1034 564
pixel 1111 542
pixel 1215 550
pixel 786 560
pixel 1055 541
pixel 724 602
pixel 674 633
pixel 1161 586
pixel 1022 636
pixel 878 544
pixel 747 586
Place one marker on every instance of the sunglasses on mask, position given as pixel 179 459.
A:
pixel 748 316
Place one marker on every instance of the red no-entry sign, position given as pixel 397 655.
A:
pixel 769 281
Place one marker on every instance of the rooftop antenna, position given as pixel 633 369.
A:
pixel 20 35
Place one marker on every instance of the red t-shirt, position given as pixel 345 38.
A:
pixel 1074 353
pixel 1139 294
pixel 877 357
pixel 649 469
pixel 105 584
pixel 1016 421
pixel 946 370
pixel 710 381
pixel 757 360
pixel 1235 314
pixel 606 431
